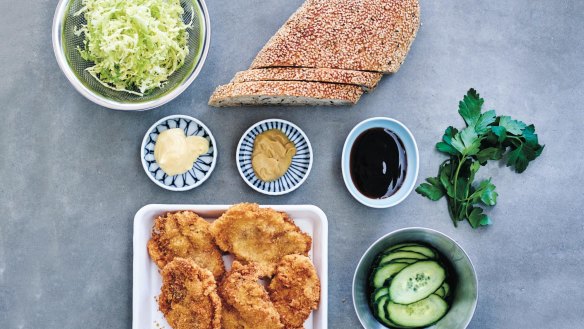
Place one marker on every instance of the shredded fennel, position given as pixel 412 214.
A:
pixel 135 44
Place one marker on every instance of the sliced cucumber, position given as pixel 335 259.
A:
pixel 419 314
pixel 401 260
pixel 409 285
pixel 397 246
pixel 443 291
pixel 381 313
pixel 401 254
pixel 440 293
pixel 416 282
pixel 446 288
pixel 380 307
pixel 380 292
pixel 421 250
pixel 384 272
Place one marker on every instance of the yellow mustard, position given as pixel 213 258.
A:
pixel 272 155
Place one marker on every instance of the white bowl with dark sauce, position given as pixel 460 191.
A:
pixel 380 162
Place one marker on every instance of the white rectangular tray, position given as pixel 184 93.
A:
pixel 147 280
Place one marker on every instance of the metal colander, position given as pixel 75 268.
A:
pixel 65 44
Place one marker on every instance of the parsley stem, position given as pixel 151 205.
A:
pixel 466 213
pixel 460 162
pixel 470 197
pixel 451 213
pixel 514 137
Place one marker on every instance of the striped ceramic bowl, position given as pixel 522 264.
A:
pixel 201 169
pixel 301 162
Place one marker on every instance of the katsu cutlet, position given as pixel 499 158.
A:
pixel 246 301
pixel 261 235
pixel 295 290
pixel 185 234
pixel 188 297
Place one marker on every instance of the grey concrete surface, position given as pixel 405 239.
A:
pixel 71 179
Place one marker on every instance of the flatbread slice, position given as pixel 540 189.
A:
pixel 363 35
pixel 288 93
pixel 366 80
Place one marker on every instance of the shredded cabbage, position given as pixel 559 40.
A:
pixel 135 44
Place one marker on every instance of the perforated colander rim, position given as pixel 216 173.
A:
pixel 59 49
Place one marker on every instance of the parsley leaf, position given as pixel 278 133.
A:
pixel 469 107
pixel 486 119
pixel 487 192
pixel 444 177
pixel 466 141
pixel 446 145
pixel 476 218
pixel 520 157
pixel 433 189
pixel 446 148
pixel 485 137
pixel 500 132
pixel 489 153
pixel 530 136
pixel 512 126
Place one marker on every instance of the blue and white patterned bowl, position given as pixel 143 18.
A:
pixel 202 168
pixel 301 162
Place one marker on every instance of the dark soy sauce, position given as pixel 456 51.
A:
pixel 378 163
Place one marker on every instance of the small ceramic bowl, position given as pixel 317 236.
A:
pixel 301 162
pixel 202 168
pixel 465 292
pixel 412 158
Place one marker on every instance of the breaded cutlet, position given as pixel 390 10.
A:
pixel 185 234
pixel 188 297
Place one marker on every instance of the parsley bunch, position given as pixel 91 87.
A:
pixel 486 137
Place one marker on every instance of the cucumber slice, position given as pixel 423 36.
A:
pixel 419 314
pixel 401 260
pixel 380 307
pixel 384 272
pixel 421 250
pixel 416 282
pixel 443 291
pixel 380 311
pixel 400 254
pixel 397 246
pixel 380 292
pixel 446 288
